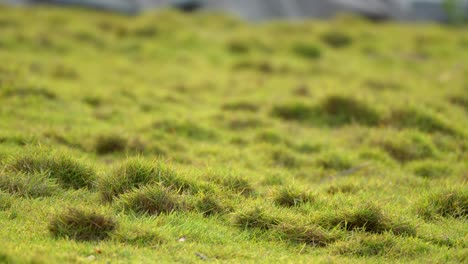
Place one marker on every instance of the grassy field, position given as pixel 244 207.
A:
pixel 188 138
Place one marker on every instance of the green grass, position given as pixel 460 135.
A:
pixel 168 137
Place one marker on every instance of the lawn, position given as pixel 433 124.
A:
pixel 167 137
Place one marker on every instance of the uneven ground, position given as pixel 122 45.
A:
pixel 165 137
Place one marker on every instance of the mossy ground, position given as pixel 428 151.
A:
pixel 180 138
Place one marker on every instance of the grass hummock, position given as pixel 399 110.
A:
pixel 290 197
pixel 256 218
pixel 305 234
pixel 368 218
pixel 68 172
pixel 111 143
pixel 82 225
pixel 138 172
pixel 28 185
pixel 448 203
pixel 150 200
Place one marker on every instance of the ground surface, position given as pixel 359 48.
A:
pixel 164 138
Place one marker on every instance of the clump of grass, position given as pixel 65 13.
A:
pixel 4 258
pixel 336 39
pixel 294 111
pixel 305 234
pixel 144 31
pixel 243 123
pixel 265 67
pixel 5 201
pixel 29 91
pixel 448 203
pixel 238 47
pixel 133 173
pixel 369 218
pixel 382 245
pixel 28 185
pixel 209 205
pixel 375 245
pixel 413 118
pixel 82 225
pixel 241 106
pixel 69 172
pixel 408 146
pixel 110 143
pixel 342 188
pixel 340 110
pixel 235 183
pixel 290 197
pixel 430 169
pixel 93 101
pixel 256 218
pixel 459 100
pixel 284 158
pixel 274 179
pixel 307 51
pixel 136 172
pixel 150 200
pixel 269 137
pixel 186 129
pixel 334 161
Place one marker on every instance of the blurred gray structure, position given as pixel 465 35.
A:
pixel 258 10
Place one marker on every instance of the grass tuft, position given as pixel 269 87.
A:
pixel 342 188
pixel 186 129
pixel 380 245
pixel 459 100
pixel 69 172
pixel 340 110
pixel 285 158
pixel 336 39
pixel 110 143
pixel 334 110
pixel 237 184
pixel 209 205
pixel 241 106
pixel 413 118
pixel 334 161
pixel 369 218
pixel 408 146
pixel 28 185
pixel 150 200
pixel 305 234
pixel 367 246
pixel 81 225
pixel 290 197
pixel 131 174
pixel 293 111
pixel 136 172
pixel 5 201
pixel 307 51
pixel 449 203
pixel 238 47
pixel 256 218
pixel 430 169
pixel 29 91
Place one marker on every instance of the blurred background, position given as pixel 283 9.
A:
pixel 452 11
